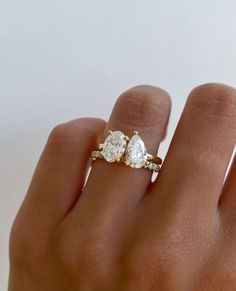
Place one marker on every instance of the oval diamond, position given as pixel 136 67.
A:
pixel 136 153
pixel 114 146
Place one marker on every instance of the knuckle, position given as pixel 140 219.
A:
pixel 219 278
pixel 65 136
pixel 214 99
pixel 141 106
pixel 159 258
pixel 27 250
pixel 70 133
pixel 134 258
pixel 62 140
pixel 138 256
pixel 86 257
pixel 62 133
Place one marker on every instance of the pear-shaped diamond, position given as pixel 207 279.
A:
pixel 114 146
pixel 136 153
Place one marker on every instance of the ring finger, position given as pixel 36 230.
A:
pixel 112 189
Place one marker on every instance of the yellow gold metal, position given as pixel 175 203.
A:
pixel 154 159
pixel 100 146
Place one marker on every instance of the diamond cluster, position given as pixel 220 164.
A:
pixel 134 154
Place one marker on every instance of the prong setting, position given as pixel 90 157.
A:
pixel 132 152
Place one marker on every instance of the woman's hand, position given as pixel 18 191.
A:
pixel 122 232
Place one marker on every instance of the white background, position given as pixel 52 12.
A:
pixel 63 59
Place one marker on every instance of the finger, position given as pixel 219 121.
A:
pixel 114 189
pixel 199 154
pixel 60 174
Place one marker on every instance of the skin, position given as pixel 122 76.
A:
pixel 123 232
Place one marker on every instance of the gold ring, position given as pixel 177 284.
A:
pixel 118 147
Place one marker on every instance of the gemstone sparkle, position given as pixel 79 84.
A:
pixel 114 146
pixel 136 153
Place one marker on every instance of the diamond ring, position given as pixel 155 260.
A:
pixel 132 152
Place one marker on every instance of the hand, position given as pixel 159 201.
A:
pixel 122 232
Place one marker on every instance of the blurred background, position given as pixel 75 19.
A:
pixel 60 60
